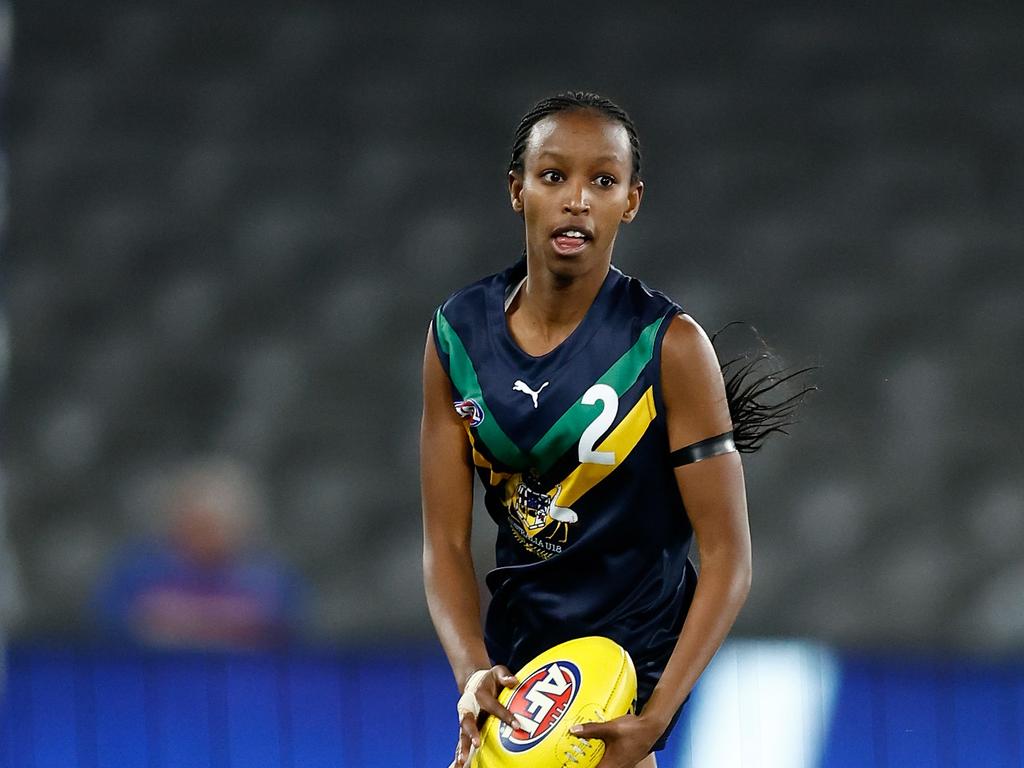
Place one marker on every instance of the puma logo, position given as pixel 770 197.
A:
pixel 522 386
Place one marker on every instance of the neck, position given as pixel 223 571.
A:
pixel 556 299
pixel 551 304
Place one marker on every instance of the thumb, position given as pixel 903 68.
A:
pixel 595 730
pixel 505 676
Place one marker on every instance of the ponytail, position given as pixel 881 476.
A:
pixel 749 382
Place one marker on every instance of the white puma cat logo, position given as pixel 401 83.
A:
pixel 522 386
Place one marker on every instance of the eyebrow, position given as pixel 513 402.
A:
pixel 600 160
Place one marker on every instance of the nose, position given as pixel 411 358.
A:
pixel 577 202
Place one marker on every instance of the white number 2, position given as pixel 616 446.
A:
pixel 589 438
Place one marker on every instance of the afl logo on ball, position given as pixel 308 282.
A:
pixel 470 409
pixel 540 701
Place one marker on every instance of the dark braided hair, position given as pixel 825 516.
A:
pixel 748 378
pixel 574 101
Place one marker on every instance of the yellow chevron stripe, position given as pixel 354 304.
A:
pixel 481 461
pixel 622 441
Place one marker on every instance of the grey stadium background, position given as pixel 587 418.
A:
pixel 229 226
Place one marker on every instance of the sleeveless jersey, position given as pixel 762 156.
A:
pixel 572 451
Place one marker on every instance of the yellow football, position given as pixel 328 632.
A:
pixel 585 680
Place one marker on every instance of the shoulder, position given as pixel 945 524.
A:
pixel 467 296
pixel 687 344
pixel 692 384
pixel 472 299
pixel 139 565
pixel 642 300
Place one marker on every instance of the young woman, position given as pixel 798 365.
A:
pixel 596 415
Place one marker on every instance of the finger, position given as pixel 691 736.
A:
pixel 592 730
pixel 461 750
pixel 491 705
pixel 611 760
pixel 505 676
pixel 470 732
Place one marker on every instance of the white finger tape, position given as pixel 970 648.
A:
pixel 468 705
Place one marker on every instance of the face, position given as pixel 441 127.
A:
pixel 575 191
pixel 208 528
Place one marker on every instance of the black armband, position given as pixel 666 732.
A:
pixel 705 449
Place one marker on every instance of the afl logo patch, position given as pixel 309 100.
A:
pixel 540 701
pixel 470 409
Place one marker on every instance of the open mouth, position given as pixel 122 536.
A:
pixel 570 239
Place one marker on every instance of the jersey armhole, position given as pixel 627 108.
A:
pixel 659 399
pixel 442 355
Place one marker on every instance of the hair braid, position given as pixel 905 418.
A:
pixel 754 418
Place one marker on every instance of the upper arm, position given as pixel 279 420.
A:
pixel 696 408
pixel 692 386
pixel 446 475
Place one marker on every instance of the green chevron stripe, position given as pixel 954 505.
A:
pixel 463 376
pixel 620 377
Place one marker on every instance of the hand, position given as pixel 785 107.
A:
pixel 627 739
pixel 483 689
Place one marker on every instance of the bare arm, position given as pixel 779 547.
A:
pixel 446 479
pixel 447 491
pixel 715 501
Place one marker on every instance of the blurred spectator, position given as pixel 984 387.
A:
pixel 206 583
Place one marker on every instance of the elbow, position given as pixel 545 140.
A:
pixel 429 563
pixel 744 579
pixel 440 557
pixel 433 561
pixel 732 571
pixel 743 573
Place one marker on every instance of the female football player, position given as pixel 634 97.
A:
pixel 595 413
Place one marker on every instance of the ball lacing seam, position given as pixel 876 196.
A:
pixel 577 749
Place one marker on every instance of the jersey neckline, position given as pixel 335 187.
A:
pixel 568 347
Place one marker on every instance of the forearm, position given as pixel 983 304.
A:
pixel 721 591
pixel 454 604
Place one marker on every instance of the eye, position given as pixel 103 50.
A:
pixel 552 176
pixel 604 180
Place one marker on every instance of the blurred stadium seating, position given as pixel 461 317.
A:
pixel 229 226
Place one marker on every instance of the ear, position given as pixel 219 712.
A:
pixel 515 191
pixel 635 196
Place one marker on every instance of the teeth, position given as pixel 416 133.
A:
pixel 572 233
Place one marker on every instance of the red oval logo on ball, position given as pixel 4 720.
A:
pixel 540 701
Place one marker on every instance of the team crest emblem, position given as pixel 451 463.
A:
pixel 537 510
pixel 540 701
pixel 470 409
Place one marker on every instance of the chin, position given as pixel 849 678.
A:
pixel 571 266
pixel 568 268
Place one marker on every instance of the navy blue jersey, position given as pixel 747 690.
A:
pixel 572 451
